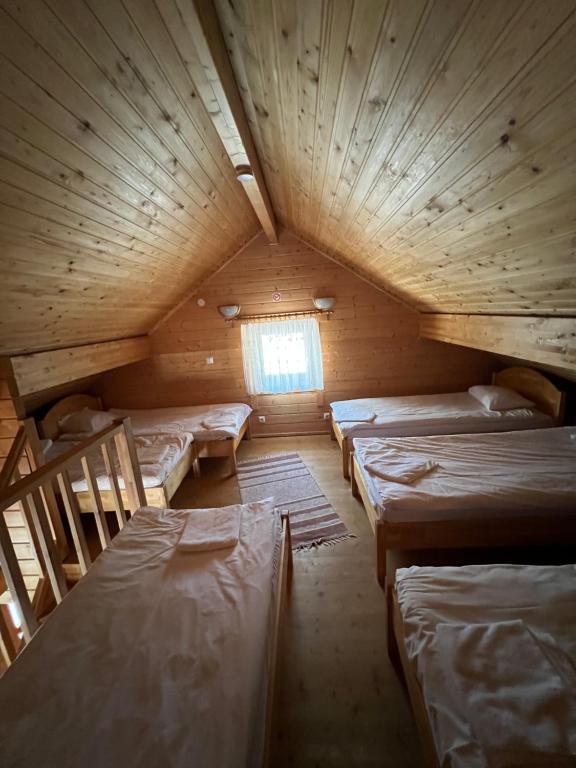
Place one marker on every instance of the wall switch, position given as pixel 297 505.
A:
pixel 262 419
pixel 209 361
pixel 326 417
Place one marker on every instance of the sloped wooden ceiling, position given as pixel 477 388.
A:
pixel 116 193
pixel 429 143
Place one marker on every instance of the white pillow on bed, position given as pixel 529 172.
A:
pixel 85 422
pixel 499 398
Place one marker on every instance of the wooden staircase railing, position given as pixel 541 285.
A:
pixel 32 493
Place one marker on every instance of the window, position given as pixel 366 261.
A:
pixel 283 356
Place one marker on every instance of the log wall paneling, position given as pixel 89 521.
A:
pixel 42 370
pixel 116 195
pixel 370 345
pixel 546 340
pixel 16 523
pixel 434 146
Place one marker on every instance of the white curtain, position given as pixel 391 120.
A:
pixel 282 356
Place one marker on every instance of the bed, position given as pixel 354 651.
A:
pixel 446 414
pixel 161 481
pixel 157 656
pixel 488 653
pixel 490 489
pixel 158 455
pixel 217 429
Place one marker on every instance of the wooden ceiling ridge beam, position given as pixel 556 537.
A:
pixel 234 130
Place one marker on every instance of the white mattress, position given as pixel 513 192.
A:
pixel 228 417
pixel 158 454
pixel 156 658
pixel 483 700
pixel 522 473
pixel 446 414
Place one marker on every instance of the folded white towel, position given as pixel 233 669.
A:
pixel 221 422
pixel 153 454
pixel 353 414
pixel 209 529
pixel 396 468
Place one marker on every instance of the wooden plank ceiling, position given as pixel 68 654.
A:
pixel 430 143
pixel 116 193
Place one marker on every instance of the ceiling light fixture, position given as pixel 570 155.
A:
pixel 244 173
pixel 324 303
pixel 229 311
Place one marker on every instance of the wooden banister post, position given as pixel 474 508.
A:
pixel 36 460
pixel 74 521
pixel 9 641
pixel 114 485
pixel 130 467
pixel 13 458
pixel 34 509
pixel 98 509
pixel 15 581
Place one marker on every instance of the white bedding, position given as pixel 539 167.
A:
pixel 512 473
pixel 494 650
pixel 446 414
pixel 156 658
pixel 158 454
pixel 222 421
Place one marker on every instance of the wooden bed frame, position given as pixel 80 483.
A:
pixel 225 448
pixel 458 534
pixel 28 491
pixel 282 591
pixel 158 496
pixel 401 662
pixel 529 383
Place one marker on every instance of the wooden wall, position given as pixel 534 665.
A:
pixel 370 345
pixel 19 531
pixel 8 419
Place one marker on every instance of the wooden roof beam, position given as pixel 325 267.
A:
pixel 229 118
pixel 542 340
pixel 38 371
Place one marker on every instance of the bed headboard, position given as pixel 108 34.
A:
pixel 534 386
pixel 48 426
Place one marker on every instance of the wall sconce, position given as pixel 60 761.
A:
pixel 229 311
pixel 244 173
pixel 324 303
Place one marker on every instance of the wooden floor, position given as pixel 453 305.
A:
pixel 340 704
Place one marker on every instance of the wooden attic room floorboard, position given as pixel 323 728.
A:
pixel 340 703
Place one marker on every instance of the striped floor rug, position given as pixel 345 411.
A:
pixel 284 476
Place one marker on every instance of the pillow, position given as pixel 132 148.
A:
pixel 499 398
pixel 85 421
